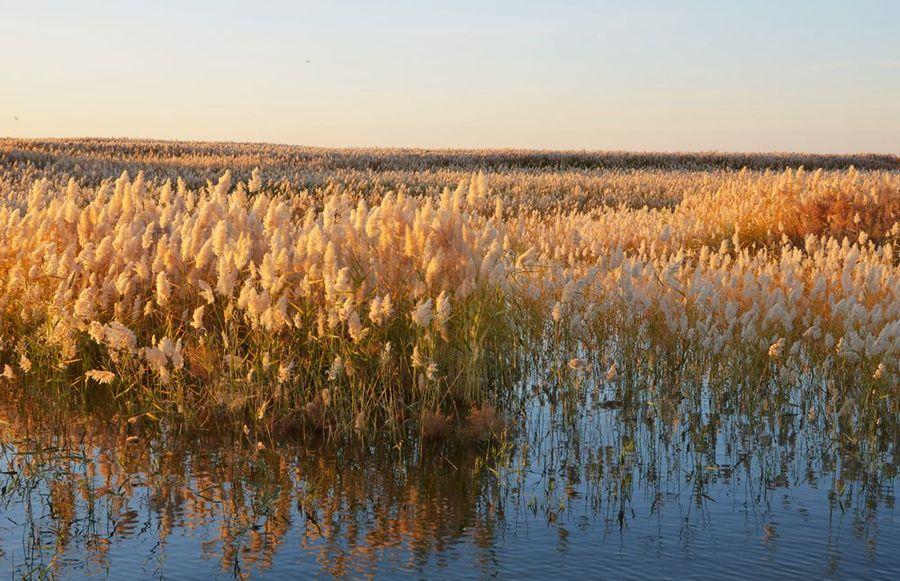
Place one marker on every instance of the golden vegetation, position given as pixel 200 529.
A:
pixel 352 304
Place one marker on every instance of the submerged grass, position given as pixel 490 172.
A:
pixel 605 453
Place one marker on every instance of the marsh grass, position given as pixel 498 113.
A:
pixel 352 310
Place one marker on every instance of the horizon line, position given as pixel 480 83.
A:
pixel 458 149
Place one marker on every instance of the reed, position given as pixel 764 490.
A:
pixel 353 307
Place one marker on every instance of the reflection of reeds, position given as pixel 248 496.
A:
pixel 622 444
pixel 351 507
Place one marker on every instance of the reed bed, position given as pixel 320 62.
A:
pixel 362 304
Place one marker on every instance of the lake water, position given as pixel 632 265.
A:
pixel 604 482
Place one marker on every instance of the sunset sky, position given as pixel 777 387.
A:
pixel 818 75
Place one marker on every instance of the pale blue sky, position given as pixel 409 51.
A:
pixel 817 75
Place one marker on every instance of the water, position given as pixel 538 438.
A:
pixel 598 481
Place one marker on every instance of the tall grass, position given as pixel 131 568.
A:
pixel 348 308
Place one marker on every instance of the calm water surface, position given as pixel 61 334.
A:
pixel 599 482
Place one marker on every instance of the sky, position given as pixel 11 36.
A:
pixel 784 75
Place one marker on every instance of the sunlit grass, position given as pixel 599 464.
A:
pixel 353 308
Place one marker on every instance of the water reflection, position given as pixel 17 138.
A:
pixel 614 478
